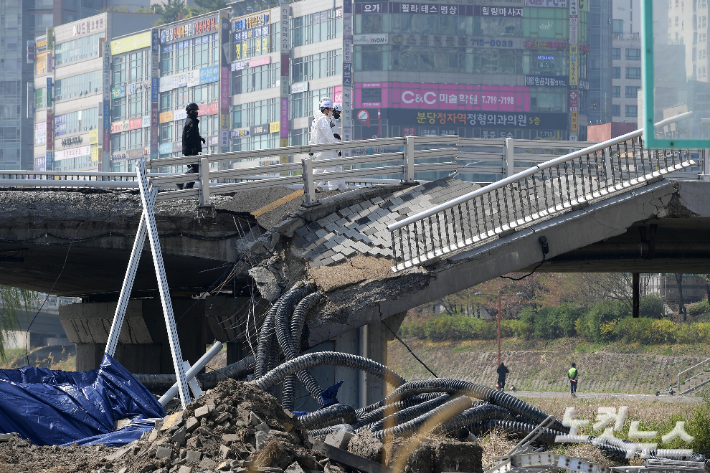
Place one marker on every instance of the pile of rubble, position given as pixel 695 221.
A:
pixel 237 427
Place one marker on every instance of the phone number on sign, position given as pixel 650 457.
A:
pixel 492 43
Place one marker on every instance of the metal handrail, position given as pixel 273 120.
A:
pixel 525 197
pixel 691 368
pixel 527 173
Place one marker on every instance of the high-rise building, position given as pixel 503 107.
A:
pixel 258 70
pixel 626 60
pixel 599 65
pixel 688 25
pixel 69 89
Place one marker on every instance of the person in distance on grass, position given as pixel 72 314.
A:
pixel 502 373
pixel 573 374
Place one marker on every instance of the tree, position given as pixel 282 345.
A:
pixel 681 302
pixel 211 5
pixel 171 11
pixel 14 304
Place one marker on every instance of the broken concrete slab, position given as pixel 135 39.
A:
pixel 163 452
pixel 339 439
pixel 193 456
pixel 203 411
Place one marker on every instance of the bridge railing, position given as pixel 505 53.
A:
pixel 70 179
pixel 531 195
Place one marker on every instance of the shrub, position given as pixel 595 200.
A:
pixel 652 306
pixel 551 322
pixel 663 331
pixel 629 329
pixel 589 325
pixel 699 308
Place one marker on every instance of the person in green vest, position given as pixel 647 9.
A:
pixel 572 374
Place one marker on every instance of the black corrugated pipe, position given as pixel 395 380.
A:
pixel 460 403
pixel 484 426
pixel 407 414
pixel 163 382
pixel 382 411
pixel 331 358
pixel 264 347
pixel 479 412
pixel 466 388
pixel 292 347
pixel 331 415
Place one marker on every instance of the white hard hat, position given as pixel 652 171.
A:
pixel 327 103
pixel 323 99
pixel 337 107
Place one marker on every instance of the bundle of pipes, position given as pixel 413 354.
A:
pixel 410 405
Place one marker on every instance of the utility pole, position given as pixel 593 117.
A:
pixel 499 308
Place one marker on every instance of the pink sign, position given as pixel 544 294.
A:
pixel 135 123
pixel 260 61
pixel 224 94
pixel 284 118
pixel 213 108
pixel 501 98
pixel 338 94
pixel 203 110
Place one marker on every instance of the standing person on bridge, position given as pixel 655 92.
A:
pixel 322 133
pixel 502 373
pixel 191 140
pixel 573 374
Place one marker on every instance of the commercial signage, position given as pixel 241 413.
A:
pixel 285 30
pixel 539 44
pixel 251 21
pixel 41 63
pixel 72 153
pixel 583 84
pixel 442 96
pixel 93 137
pixel 299 87
pixel 573 101
pixel 546 3
pixel 106 96
pixel 573 66
pixel 240 133
pixel 49 160
pixel 118 92
pixel 40 164
pixel 274 127
pixel 95 153
pixel 206 75
pixel 90 26
pixel 135 123
pixel 574 126
pixel 546 81
pixel 137 41
pixel 187 30
pixel 60 125
pixel 438 9
pixel 370 39
pixel 260 61
pixel 179 114
pixel 117 156
pixel 259 130
pixel 244 35
pixel 556 121
pixel 165 148
pixel 135 88
pixel 193 78
pixel 31 51
pixel 41 45
pixel 40 133
pixel 74 140
pixel 209 74
pixel 145 122
pixel 573 22
pixel 118 127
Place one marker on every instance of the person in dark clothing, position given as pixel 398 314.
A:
pixel 191 140
pixel 502 372
pixel 572 374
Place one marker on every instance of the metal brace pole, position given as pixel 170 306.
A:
pixel 706 165
pixel 309 185
pixel 128 280
pixel 409 159
pixel 608 164
pixel 509 157
pixel 204 182
pixel 163 285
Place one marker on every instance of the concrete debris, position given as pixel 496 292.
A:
pixel 366 445
pixel 339 439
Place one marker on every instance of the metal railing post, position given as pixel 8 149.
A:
pixel 204 182
pixel 607 163
pixel 706 165
pixel 309 186
pixel 509 157
pixel 409 159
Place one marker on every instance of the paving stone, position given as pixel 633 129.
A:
pixel 363 221
pixel 203 411
pixel 321 233
pixel 193 456
pixel 163 452
pixel 301 231
pixel 300 242
pixel 313 226
pixel 338 258
pixel 185 469
pixel 332 227
pixel 311 237
pixel 376 200
pixel 330 244
pixel 341 222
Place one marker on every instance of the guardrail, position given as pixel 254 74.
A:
pixel 701 377
pixel 528 196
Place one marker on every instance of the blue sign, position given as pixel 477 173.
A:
pixel 107 118
pixel 209 74
pixel 165 148
pixel 155 41
pixel 49 91
pixel 60 125
pixel 49 160
pixel 546 81
pixel 155 90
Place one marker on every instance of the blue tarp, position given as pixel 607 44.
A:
pixel 59 407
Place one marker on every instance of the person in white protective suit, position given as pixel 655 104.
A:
pixel 321 133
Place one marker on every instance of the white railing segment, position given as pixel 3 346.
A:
pixel 556 185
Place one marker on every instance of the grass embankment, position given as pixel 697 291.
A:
pixel 542 365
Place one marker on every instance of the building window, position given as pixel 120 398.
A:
pixel 118 142
pixel 255 78
pixel 633 54
pixel 135 139
pixel 166 132
pixel 633 72
pixel 617 26
pixel 632 91
pixel 303 104
pixel 166 61
pixel 615 91
pixel 316 27
pixel 616 73
pixel 616 53
pixel 166 101
pixel 118 110
pixel 200 55
pixel 319 65
pixel 135 70
pixel 40 98
pixel 183 57
pixel 631 111
pixel 119 69
pixel 75 50
pixel 616 110
pixel 135 105
pixel 77 86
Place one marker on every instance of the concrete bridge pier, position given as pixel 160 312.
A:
pixel 143 343
pixel 359 389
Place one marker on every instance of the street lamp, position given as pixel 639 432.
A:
pixel 500 296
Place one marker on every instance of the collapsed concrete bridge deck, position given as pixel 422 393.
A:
pixel 78 243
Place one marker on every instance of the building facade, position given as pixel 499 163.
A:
pixel 626 60
pixel 69 90
pixel 478 70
